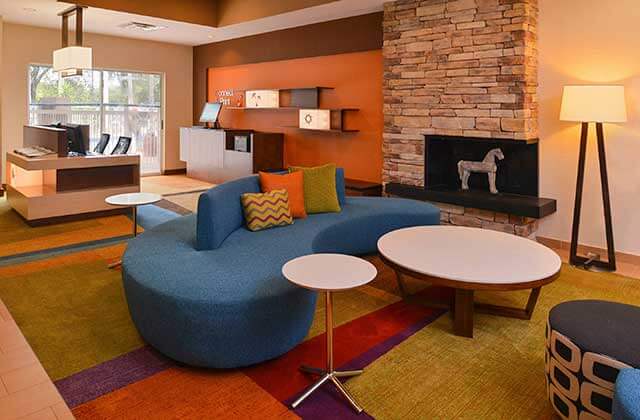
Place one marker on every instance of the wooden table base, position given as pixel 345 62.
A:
pixel 463 308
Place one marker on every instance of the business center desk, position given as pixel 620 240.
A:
pixel 51 188
pixel 218 156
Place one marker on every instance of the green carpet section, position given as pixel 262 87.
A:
pixel 74 315
pixel 499 374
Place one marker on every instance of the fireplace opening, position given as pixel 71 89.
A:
pixel 517 173
pixel 516 177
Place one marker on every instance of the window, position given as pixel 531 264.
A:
pixel 114 102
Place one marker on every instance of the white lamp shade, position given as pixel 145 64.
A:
pixel 69 60
pixel 593 104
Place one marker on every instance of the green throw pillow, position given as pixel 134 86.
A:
pixel 320 194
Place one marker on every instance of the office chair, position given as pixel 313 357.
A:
pixel 122 147
pixel 102 144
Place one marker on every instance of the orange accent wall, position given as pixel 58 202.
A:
pixel 357 79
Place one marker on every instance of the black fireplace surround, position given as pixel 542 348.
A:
pixel 517 172
pixel 516 181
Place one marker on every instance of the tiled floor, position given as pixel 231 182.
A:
pixel 26 392
pixel 172 184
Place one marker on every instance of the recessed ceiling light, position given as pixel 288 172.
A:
pixel 29 9
pixel 140 26
pixel 210 36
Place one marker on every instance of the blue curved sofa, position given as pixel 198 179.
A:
pixel 206 291
pixel 626 401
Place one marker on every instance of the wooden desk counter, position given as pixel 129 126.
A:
pixel 55 162
pixel 44 189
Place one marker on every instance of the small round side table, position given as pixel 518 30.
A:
pixel 329 273
pixel 132 200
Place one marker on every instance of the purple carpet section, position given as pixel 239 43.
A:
pixel 111 375
pixel 327 403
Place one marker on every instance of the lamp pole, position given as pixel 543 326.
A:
pixel 592 262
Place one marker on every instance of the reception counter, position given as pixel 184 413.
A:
pixel 51 187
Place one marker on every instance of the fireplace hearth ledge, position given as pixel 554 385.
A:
pixel 512 204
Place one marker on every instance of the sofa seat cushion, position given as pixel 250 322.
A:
pixel 231 306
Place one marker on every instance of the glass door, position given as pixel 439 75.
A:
pixel 118 103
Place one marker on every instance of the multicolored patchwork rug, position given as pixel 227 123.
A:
pixel 72 310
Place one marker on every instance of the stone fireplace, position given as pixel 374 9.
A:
pixel 462 71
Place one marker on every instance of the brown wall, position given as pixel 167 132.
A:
pixel 202 12
pixel 236 11
pixel 23 45
pixel 356 77
pixel 360 33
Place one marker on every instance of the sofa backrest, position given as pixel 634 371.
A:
pixel 340 186
pixel 220 209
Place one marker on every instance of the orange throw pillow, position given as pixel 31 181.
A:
pixel 293 183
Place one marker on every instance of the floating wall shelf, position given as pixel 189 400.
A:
pixel 283 108
pixel 333 130
pixel 296 98
pixel 305 98
pixel 336 122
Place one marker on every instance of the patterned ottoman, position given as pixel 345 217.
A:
pixel 588 342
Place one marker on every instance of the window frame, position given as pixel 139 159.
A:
pixel 102 105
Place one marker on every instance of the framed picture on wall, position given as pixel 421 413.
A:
pixel 262 99
pixel 315 119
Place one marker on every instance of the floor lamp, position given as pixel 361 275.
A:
pixel 587 104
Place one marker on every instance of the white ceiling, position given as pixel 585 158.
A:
pixel 44 13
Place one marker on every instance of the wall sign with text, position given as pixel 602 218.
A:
pixel 230 97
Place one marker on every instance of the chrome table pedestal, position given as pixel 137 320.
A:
pixel 329 374
pixel 132 200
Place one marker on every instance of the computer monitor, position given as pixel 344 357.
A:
pixel 75 139
pixel 210 113
pixel 76 142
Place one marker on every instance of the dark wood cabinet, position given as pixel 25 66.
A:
pixel 355 187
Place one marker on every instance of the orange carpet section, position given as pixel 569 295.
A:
pixel 48 237
pixel 187 393
pixel 110 253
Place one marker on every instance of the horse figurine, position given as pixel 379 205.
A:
pixel 487 166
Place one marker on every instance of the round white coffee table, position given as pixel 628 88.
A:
pixel 469 259
pixel 329 273
pixel 132 200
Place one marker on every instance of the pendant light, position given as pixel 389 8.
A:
pixel 71 60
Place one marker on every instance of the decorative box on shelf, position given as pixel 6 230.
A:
pixel 262 99
pixel 315 119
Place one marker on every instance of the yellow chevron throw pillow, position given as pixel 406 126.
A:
pixel 266 210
